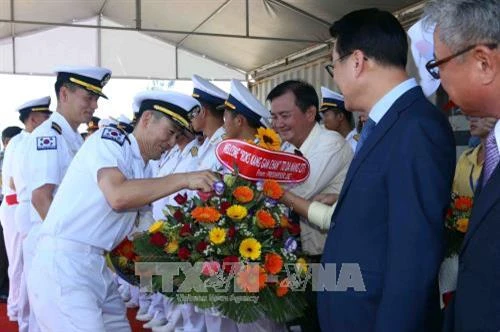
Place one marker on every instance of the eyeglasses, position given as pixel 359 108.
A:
pixel 330 68
pixel 433 65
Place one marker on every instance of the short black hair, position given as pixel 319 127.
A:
pixel 215 110
pixel 59 84
pixel 375 32
pixel 347 115
pixel 251 122
pixel 10 132
pixel 305 94
pixel 23 116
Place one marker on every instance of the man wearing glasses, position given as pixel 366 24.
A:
pixel 389 215
pixel 467 61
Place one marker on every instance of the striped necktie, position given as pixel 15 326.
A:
pixel 491 157
pixel 365 132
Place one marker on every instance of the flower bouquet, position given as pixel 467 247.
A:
pixel 237 239
pixel 457 222
pixel 243 243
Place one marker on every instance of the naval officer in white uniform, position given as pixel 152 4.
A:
pixel 31 114
pixel 336 117
pixel 53 145
pixel 209 121
pixel 71 287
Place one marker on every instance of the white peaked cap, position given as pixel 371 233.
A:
pixel 176 105
pixel 243 101
pixel 92 79
pixel 34 105
pixel 206 91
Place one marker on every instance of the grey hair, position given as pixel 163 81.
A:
pixel 464 22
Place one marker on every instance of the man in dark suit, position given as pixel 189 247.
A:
pixel 467 59
pixel 389 218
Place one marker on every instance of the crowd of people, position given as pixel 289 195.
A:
pixel 375 196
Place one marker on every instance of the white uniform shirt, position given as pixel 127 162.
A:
pixel 20 171
pixel 352 139
pixel 49 154
pixel 187 161
pixel 329 157
pixel 20 175
pixel 206 153
pixel 168 162
pixel 79 211
pixel 9 165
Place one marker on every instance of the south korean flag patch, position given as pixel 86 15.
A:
pixel 114 135
pixel 46 143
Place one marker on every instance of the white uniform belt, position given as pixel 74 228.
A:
pixel 47 242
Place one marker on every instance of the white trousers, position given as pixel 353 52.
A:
pixel 25 317
pixel 71 289
pixel 13 247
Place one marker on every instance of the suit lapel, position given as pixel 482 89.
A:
pixel 485 198
pixel 384 125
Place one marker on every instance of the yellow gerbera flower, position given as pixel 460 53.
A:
pixel 217 235
pixel 156 227
pixel 268 139
pixel 301 265
pixel 172 247
pixel 250 248
pixel 462 225
pixel 237 212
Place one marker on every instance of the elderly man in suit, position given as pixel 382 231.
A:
pixel 467 59
pixel 390 212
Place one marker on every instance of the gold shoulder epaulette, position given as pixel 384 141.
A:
pixel 56 127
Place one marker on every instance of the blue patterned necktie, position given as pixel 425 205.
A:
pixel 491 157
pixel 365 132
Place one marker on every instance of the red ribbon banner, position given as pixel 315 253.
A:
pixel 255 163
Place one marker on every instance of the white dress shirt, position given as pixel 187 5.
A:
pixel 329 156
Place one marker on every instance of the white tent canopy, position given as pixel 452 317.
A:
pixel 167 39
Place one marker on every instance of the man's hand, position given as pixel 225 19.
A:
pixel 202 180
pixel 328 199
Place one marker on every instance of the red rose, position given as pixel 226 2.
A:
pixel 184 253
pixel 158 239
pixel 231 263
pixel 180 199
pixel 231 232
pixel 201 246
pixel 224 206
pixel 294 229
pixel 449 213
pixel 126 249
pixel 178 215
pixel 185 230
pixel 205 196
pixel 278 232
